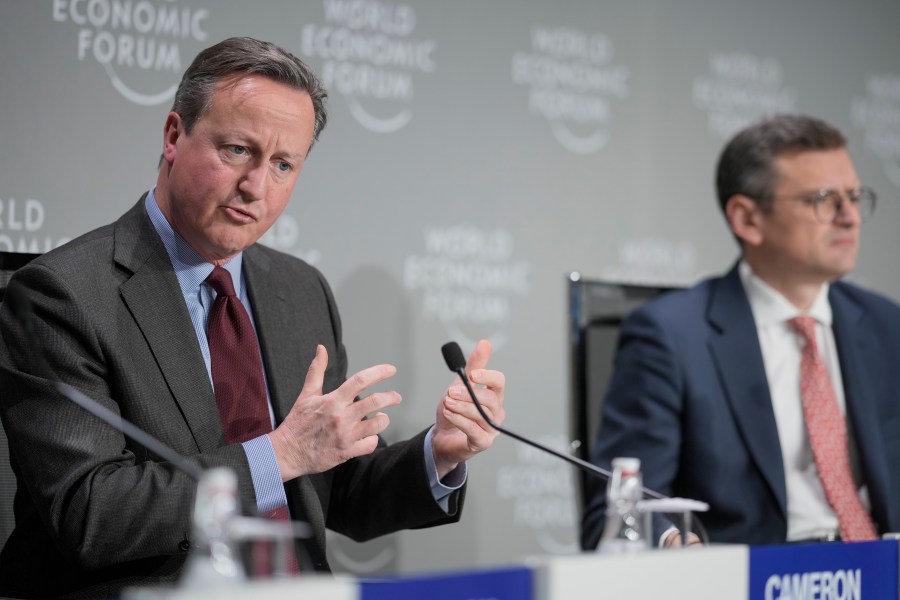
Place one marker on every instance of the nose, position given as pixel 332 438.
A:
pixel 849 214
pixel 252 184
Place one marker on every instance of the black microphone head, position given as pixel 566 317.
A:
pixel 453 356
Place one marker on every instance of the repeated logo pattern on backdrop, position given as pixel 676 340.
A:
pixel 143 46
pixel 573 83
pixel 468 278
pixel 370 57
pixel 739 88
pixel 654 261
pixel 22 226
pixel 539 491
pixel 878 115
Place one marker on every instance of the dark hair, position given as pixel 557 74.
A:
pixel 746 165
pixel 244 56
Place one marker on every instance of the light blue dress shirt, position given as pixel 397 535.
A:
pixel 192 270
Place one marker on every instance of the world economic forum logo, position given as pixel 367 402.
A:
pixel 539 495
pixel 573 83
pixel 877 113
pixel 140 44
pixel 653 261
pixel 371 58
pixel 469 279
pixel 738 89
pixel 22 226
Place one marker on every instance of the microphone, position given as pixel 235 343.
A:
pixel 456 362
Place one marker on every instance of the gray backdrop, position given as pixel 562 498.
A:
pixel 476 153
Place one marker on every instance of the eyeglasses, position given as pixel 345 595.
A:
pixel 828 204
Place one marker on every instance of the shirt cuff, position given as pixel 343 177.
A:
pixel 265 473
pixel 452 481
pixel 664 535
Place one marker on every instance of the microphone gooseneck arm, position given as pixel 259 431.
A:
pixel 457 363
pixel 129 429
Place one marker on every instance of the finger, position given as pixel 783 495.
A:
pixel 488 378
pixel 358 438
pixel 470 412
pixel 315 375
pixel 364 446
pixel 492 403
pixel 479 357
pixel 372 403
pixel 672 540
pixel 487 398
pixel 374 425
pixel 359 381
pixel 478 437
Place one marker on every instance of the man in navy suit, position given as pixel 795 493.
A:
pixel 706 388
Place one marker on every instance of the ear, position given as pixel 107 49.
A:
pixel 744 216
pixel 172 130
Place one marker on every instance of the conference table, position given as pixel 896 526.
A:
pixel 835 571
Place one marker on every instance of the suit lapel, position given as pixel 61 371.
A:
pixel 280 327
pixel 734 345
pixel 853 335
pixel 278 330
pixel 154 298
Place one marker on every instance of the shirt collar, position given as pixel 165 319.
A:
pixel 771 307
pixel 191 269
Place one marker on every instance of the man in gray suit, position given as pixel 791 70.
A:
pixel 120 313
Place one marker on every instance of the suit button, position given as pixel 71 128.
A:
pixel 184 545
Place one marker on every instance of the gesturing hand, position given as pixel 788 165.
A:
pixel 322 431
pixel 460 432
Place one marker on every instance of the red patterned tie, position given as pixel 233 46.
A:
pixel 828 437
pixel 237 372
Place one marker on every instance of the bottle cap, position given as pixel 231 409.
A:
pixel 627 464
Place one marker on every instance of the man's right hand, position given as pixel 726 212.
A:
pixel 324 430
pixel 672 539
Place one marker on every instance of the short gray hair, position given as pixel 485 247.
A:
pixel 244 56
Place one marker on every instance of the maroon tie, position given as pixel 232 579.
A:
pixel 828 438
pixel 237 376
pixel 236 365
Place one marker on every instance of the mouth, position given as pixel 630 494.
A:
pixel 844 241
pixel 240 215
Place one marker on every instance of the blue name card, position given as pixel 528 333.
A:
pixel 834 571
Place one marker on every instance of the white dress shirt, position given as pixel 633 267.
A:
pixel 809 515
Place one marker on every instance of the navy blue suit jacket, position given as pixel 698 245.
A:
pixel 689 397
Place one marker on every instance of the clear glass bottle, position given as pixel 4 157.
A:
pixel 624 530
pixel 214 558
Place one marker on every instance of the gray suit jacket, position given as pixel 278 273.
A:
pixel 96 511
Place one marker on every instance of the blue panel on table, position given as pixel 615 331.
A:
pixel 834 571
pixel 502 584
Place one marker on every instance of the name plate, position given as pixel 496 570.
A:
pixel 831 571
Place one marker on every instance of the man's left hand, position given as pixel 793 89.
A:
pixel 460 432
